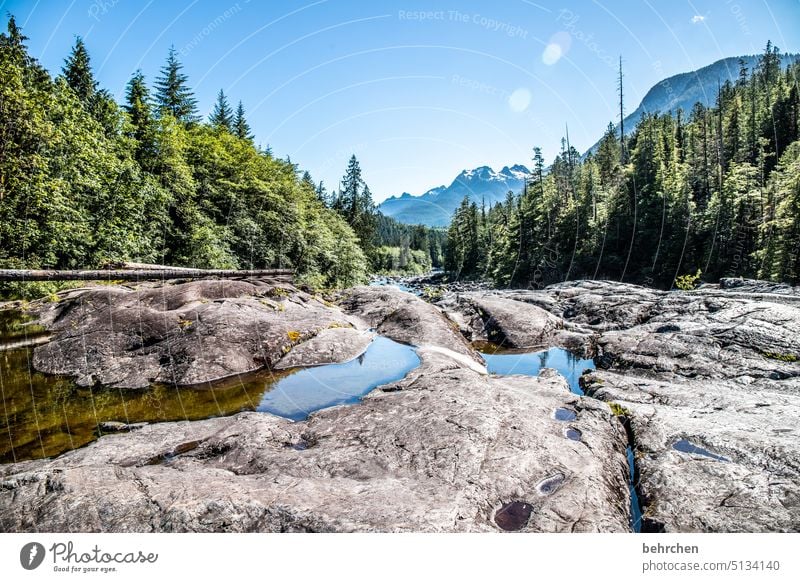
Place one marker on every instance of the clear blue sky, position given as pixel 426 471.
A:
pixel 417 90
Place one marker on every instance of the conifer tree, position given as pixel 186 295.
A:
pixel 78 72
pixel 173 94
pixel 222 116
pixel 13 41
pixel 137 105
pixel 240 126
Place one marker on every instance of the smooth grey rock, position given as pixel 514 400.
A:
pixel 757 286
pixel 742 471
pixel 718 369
pixel 329 346
pixel 405 318
pixel 184 334
pixel 510 322
pixel 709 381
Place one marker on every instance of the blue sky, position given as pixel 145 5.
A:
pixel 417 90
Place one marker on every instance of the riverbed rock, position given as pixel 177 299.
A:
pixel 704 385
pixel 330 346
pixel 757 286
pixel 711 456
pixel 510 322
pixel 715 372
pixel 184 334
pixel 443 450
pixel 405 318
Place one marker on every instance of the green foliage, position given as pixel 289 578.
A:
pixel 688 282
pixel 241 128
pixel 354 203
pixel 401 260
pixel 78 72
pixel 717 192
pixel 83 183
pixel 409 238
pixel 222 116
pixel 618 409
pixel 173 93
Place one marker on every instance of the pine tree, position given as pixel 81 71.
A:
pixel 78 72
pixel 137 105
pixel 241 129
pixel 308 181
pixel 322 194
pixel 355 204
pixel 351 188
pixel 173 94
pixel 222 116
pixel 14 42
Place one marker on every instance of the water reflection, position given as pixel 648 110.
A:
pixel 504 361
pixel 43 415
pixel 312 389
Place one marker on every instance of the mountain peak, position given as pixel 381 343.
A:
pixel 436 206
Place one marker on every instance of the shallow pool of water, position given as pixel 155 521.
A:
pixel 43 415
pixel 685 446
pixel 505 362
pixel 312 389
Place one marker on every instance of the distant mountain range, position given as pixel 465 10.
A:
pixel 436 206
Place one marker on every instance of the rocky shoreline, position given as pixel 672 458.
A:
pixel 704 386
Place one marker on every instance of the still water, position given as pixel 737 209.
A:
pixel 311 389
pixel 507 361
pixel 43 415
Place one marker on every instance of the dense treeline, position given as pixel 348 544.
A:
pixel 408 248
pixel 85 181
pixel 716 192
pixel 390 246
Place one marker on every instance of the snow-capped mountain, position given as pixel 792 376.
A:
pixel 436 206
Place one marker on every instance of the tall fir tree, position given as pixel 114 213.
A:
pixel 13 41
pixel 241 128
pixel 137 105
pixel 78 73
pixel 173 94
pixel 355 204
pixel 222 115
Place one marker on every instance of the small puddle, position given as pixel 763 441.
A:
pixel 636 508
pixel 513 516
pixel 685 446
pixel 550 485
pixel 564 414
pixel 43 415
pixel 312 389
pixel 573 434
pixel 505 362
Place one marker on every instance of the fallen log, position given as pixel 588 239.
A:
pixel 140 274
pixel 130 266
pixel 35 340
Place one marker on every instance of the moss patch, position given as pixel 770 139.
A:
pixel 781 357
pixel 618 409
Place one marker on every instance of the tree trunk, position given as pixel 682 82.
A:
pixel 140 274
